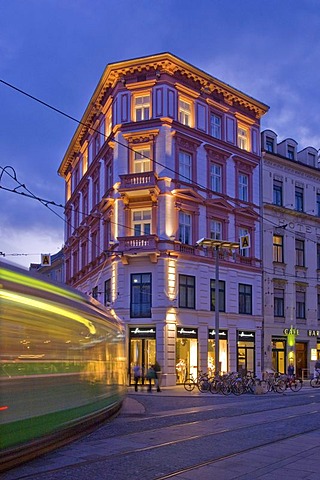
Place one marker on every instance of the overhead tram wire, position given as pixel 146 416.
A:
pixel 79 122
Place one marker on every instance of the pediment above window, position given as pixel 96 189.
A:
pixel 219 203
pixel 188 194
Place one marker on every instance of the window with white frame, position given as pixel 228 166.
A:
pixel 244 252
pixel 107 292
pixel 141 160
pixel 185 166
pixel 216 177
pixel 141 222
pixel 108 122
pixel 243 138
pixel 243 187
pixel 215 230
pixel 215 125
pixel 96 191
pixel 102 131
pixel 109 175
pixel 184 112
pixel 142 107
pixel 185 228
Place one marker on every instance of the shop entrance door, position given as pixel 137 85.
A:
pixel 142 352
pixel 301 358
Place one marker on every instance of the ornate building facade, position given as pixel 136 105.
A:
pixel 165 155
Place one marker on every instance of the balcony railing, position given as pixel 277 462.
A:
pixel 146 243
pixel 138 180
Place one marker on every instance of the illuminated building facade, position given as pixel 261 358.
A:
pixel 166 154
pixel 291 211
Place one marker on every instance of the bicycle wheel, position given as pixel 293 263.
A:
pixel 226 389
pixel 280 386
pixel 215 386
pixel 189 384
pixel 204 385
pixel 314 382
pixel 237 388
pixel 296 385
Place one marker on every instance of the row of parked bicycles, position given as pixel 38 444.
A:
pixel 234 383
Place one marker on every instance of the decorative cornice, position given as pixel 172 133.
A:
pixel 141 136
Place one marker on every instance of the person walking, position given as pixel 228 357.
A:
pixel 136 376
pixel 151 375
pixel 290 370
pixel 158 371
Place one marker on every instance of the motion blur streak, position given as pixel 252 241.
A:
pixel 62 365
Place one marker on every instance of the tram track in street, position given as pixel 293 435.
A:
pixel 159 442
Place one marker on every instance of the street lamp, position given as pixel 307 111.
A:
pixel 217 245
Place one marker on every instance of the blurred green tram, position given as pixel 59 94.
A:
pixel 62 364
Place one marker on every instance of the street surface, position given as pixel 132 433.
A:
pixel 181 435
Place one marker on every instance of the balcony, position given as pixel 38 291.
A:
pixel 139 184
pixel 144 245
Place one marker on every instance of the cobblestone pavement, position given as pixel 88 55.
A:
pixel 104 453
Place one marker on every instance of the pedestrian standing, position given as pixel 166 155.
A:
pixel 136 376
pixel 290 370
pixel 157 368
pixel 151 375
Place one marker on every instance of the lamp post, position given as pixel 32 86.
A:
pixel 216 245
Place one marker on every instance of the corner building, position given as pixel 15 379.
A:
pixel 165 155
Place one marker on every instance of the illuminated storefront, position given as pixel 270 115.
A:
pixel 223 350
pixel 279 354
pixel 186 353
pixel 246 352
pixel 142 348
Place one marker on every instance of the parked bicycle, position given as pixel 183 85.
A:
pixel 202 382
pixel 315 382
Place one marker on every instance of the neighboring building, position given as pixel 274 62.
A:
pixel 166 154
pixel 54 271
pixel 291 224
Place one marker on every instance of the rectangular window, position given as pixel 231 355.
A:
pixel 299 199
pixel 85 205
pixel 84 255
pixel 318 256
pixel 142 108
pixel 278 248
pixel 278 302
pixel 222 295
pixel 185 228
pixel 141 222
pixel 102 131
pixel 96 192
pixel 108 122
pixel 216 178
pixel 109 176
pixel 300 305
pixel 277 192
pixel 290 153
pixel 141 160
pixel 107 292
pixel 215 230
pixel 245 299
pixel 299 244
pixel 244 252
pixel 184 112
pixel 95 293
pixel 140 305
pixel 94 245
pixel 215 126
pixel 187 291
pixel 243 190
pixel 243 138
pixel 185 167
pixel 269 144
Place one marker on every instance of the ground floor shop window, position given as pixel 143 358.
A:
pixel 246 352
pixel 279 354
pixel 318 348
pixel 186 353
pixel 223 350
pixel 142 350
pixel 301 359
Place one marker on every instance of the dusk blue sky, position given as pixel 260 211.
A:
pixel 57 50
